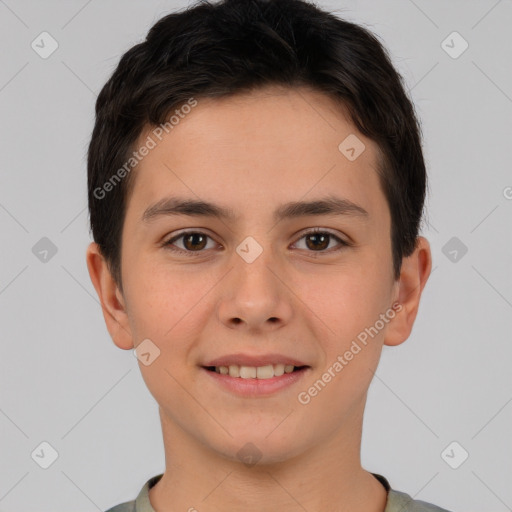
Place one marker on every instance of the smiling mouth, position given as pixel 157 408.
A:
pixel 255 372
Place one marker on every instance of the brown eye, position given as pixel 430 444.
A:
pixel 192 242
pixel 319 241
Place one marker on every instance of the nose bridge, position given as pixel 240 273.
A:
pixel 256 297
pixel 253 261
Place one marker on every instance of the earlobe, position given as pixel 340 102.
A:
pixel 112 302
pixel 414 273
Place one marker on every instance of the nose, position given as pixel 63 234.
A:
pixel 255 296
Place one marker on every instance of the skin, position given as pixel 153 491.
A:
pixel 252 153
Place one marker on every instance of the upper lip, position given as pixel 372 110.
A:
pixel 254 360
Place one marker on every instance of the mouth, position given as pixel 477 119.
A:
pixel 256 372
pixel 255 381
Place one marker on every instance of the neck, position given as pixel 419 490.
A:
pixel 326 476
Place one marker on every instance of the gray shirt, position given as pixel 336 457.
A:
pixel 396 502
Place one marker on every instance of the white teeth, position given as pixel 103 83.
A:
pixel 234 371
pixel 253 372
pixel 265 372
pixel 248 372
pixel 278 370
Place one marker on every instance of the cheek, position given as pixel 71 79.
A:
pixel 352 343
pixel 161 303
pixel 347 300
pixel 164 309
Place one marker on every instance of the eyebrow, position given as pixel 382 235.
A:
pixel 330 205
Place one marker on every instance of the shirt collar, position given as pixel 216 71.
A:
pixel 142 503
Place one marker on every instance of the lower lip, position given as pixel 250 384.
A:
pixel 256 387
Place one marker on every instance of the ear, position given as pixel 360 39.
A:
pixel 111 299
pixel 413 277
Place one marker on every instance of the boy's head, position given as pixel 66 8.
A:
pixel 222 142
pixel 234 47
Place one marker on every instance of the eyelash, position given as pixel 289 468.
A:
pixel 168 243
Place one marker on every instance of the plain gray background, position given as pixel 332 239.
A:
pixel 63 381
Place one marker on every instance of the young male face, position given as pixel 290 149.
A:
pixel 306 299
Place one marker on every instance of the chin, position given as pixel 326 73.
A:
pixel 259 450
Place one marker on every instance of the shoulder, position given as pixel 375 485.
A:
pixel 402 502
pixel 141 503
pixel 128 506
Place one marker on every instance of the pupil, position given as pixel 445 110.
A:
pixel 191 237
pixel 316 238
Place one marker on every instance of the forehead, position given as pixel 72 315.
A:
pixel 273 145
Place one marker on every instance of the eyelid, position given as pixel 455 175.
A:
pixel 342 241
pixel 168 243
pixel 308 231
